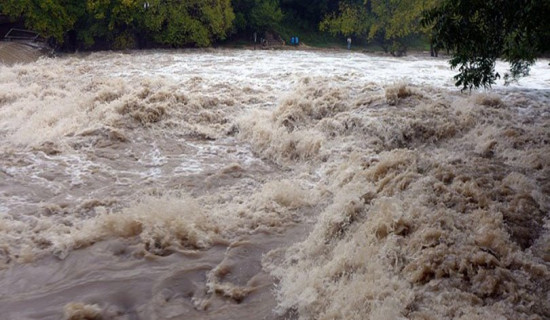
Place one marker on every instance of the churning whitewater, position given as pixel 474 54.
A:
pixel 234 184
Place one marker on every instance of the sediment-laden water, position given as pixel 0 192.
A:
pixel 20 52
pixel 271 185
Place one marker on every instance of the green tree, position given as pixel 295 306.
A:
pixel 396 21
pixel 112 20
pixel 257 15
pixel 479 32
pixel 192 22
pixel 51 18
pixel 118 22
pixel 266 15
pixel 390 23
pixel 351 19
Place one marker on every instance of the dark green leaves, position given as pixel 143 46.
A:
pixel 120 23
pixel 390 23
pixel 257 15
pixel 477 33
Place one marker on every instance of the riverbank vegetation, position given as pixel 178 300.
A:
pixel 474 33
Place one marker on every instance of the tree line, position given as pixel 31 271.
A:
pixel 474 32
pixel 178 23
pixel 172 23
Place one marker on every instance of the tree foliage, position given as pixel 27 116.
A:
pixel 51 18
pixel 388 22
pixel 351 19
pixel 119 22
pixel 479 32
pixel 112 20
pixel 257 15
pixel 178 23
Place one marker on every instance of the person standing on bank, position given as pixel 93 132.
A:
pixel 349 43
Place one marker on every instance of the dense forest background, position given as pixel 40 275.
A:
pixel 121 24
pixel 474 32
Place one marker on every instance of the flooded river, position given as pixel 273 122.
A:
pixel 234 184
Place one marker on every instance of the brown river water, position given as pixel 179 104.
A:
pixel 20 52
pixel 235 184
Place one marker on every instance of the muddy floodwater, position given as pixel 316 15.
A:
pixel 235 184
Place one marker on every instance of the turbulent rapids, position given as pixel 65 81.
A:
pixel 270 185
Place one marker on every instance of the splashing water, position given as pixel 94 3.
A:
pixel 226 184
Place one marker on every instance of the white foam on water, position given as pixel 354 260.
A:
pixel 413 199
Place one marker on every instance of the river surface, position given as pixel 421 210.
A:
pixel 20 52
pixel 242 184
